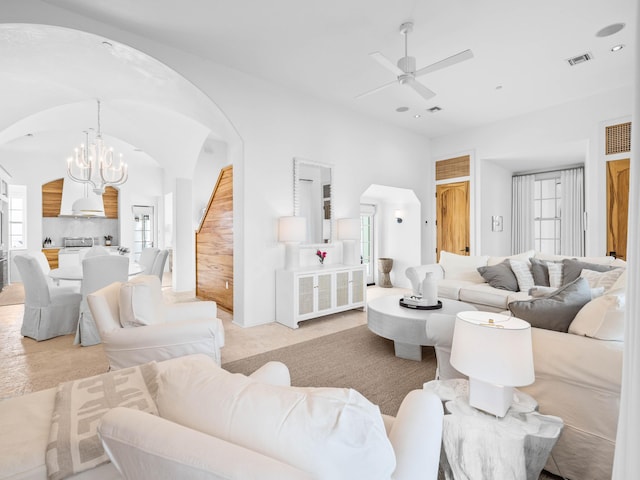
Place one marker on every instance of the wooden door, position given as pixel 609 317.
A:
pixel 452 218
pixel 617 207
pixel 214 245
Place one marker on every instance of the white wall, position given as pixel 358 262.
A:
pixel 495 201
pixel 581 120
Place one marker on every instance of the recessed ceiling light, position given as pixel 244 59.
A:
pixel 417 115
pixel 107 44
pixel 402 109
pixel 617 48
pixel 610 30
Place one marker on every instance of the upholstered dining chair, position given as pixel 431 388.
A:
pixel 97 272
pixel 147 257
pixel 136 326
pixel 49 311
pixel 158 264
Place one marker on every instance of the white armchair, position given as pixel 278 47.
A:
pixel 212 424
pixel 164 331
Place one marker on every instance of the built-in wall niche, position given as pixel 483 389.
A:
pixel 312 199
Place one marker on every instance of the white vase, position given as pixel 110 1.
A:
pixel 429 289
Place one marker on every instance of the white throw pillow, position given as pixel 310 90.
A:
pixel 522 271
pixel 141 301
pixel 602 318
pixel 462 267
pixel 333 433
pixel 601 279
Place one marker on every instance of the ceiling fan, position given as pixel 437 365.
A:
pixel 405 70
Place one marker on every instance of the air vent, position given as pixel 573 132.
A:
pixel 434 109
pixel 585 57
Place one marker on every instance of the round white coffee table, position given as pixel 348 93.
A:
pixel 407 327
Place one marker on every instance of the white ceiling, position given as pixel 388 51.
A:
pixel 321 48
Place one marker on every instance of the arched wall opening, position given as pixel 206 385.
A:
pixel 399 240
pixel 162 123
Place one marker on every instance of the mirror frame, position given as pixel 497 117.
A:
pixel 297 163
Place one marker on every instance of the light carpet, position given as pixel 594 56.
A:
pixel 354 358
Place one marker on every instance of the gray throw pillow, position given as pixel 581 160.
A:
pixel 557 310
pixel 540 272
pixel 571 268
pixel 500 276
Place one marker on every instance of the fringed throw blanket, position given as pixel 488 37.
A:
pixel 74 445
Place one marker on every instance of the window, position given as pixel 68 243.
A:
pixel 17 216
pixel 547 195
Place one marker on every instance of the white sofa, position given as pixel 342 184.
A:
pixel 578 373
pixel 267 430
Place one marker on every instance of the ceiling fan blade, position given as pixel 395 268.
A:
pixel 447 62
pixel 377 89
pixel 420 89
pixel 386 63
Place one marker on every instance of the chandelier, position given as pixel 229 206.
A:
pixel 93 164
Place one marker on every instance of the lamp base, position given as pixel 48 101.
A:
pixel 490 398
pixel 291 256
pixel 349 252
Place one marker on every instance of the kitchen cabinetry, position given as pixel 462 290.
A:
pixel 52 256
pixel 316 291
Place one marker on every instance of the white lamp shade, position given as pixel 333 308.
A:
pixel 493 348
pixel 348 229
pixel 292 229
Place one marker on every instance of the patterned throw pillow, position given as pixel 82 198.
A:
pixel 555 274
pixel 601 279
pixel 523 274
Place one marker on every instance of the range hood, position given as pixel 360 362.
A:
pixel 80 201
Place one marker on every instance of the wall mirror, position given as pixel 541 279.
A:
pixel 312 198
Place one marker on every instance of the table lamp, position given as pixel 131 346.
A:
pixel 495 352
pixel 349 233
pixel 292 231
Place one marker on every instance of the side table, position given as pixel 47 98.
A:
pixel 477 445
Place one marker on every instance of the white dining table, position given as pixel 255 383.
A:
pixel 74 273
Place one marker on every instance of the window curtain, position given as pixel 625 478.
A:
pixel 522 214
pixel 572 212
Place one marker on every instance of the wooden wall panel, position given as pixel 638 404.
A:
pixel 52 198
pixel 110 200
pixel 214 245
pixel 453 168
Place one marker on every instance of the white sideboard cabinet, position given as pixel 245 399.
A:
pixel 315 291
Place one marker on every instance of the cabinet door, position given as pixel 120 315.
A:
pixel 357 286
pixel 342 289
pixel 306 294
pixel 324 291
